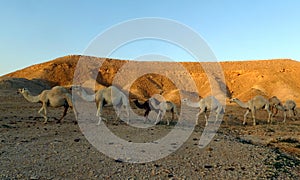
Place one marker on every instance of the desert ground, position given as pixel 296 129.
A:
pixel 30 149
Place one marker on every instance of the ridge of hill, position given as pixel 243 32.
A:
pixel 244 79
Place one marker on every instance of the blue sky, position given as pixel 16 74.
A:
pixel 35 31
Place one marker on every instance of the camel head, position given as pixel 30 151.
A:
pixel 184 100
pixel 22 91
pixel 233 100
pixel 76 88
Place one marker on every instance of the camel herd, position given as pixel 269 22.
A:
pixel 59 96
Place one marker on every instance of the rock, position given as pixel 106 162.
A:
pixel 208 166
pixel 34 177
pixel 119 160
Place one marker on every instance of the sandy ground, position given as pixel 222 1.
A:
pixel 30 149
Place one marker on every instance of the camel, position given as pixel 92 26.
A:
pixel 108 96
pixel 290 106
pixel 170 107
pixel 258 102
pixel 208 103
pixel 275 105
pixel 56 97
pixel 145 106
pixel 161 108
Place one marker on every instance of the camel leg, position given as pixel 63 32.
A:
pixel 206 120
pixel 284 116
pixel 272 110
pixel 100 119
pixel 201 111
pixel 162 114
pixel 99 115
pixel 146 114
pixel 64 114
pixel 76 114
pixel 172 114
pixel 127 114
pixel 270 117
pixel 295 112
pixel 70 104
pixel 197 119
pixel 253 116
pixel 217 117
pixel 45 112
pixel 99 112
pixel 157 117
pixel 245 116
pixel 290 113
pixel 124 107
pixel 118 111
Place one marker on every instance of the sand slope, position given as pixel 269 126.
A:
pixel 244 79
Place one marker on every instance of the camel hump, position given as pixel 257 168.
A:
pixel 59 89
pixel 260 98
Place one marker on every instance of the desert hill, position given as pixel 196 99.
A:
pixel 244 79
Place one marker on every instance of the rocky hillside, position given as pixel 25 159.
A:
pixel 244 79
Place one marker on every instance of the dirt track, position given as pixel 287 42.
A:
pixel 31 150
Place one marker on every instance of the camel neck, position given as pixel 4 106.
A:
pixel 84 95
pixel 30 97
pixel 138 104
pixel 240 103
pixel 153 104
pixel 193 104
pixel 280 107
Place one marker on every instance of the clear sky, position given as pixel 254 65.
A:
pixel 35 31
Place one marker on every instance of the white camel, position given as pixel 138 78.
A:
pixel 208 103
pixel 290 106
pixel 161 108
pixel 275 105
pixel 258 102
pixel 108 96
pixel 56 97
